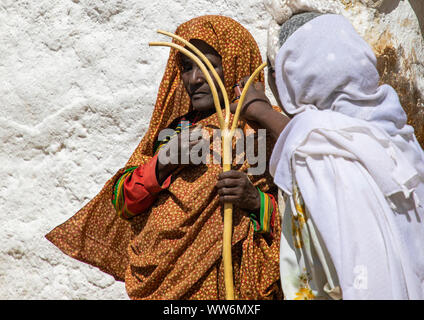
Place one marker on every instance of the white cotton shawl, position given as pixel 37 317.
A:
pixel 358 164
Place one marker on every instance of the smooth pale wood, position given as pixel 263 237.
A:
pixel 227 258
pixel 227 137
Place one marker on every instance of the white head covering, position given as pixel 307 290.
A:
pixel 338 73
pixel 325 65
pixel 282 10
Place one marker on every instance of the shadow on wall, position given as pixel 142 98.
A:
pixel 388 6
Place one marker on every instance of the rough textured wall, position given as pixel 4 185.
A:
pixel 397 39
pixel 394 31
pixel 78 83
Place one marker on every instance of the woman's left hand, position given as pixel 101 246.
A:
pixel 255 103
pixel 236 188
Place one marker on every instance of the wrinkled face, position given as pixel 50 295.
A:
pixel 194 80
pixel 272 84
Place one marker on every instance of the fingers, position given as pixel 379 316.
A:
pixel 192 131
pixel 256 92
pixel 230 182
pixel 230 190
pixel 196 137
pixel 193 143
pixel 192 135
pixel 196 133
pixel 188 143
pixel 235 187
pixel 232 174
pixel 198 144
pixel 229 199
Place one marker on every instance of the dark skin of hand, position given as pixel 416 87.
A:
pixel 257 109
pixel 165 170
pixel 233 186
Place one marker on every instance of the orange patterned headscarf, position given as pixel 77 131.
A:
pixel 240 57
pixel 173 251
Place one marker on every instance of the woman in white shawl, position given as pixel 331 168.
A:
pixel 350 167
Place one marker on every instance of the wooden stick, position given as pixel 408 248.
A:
pixel 227 136
pixel 227 258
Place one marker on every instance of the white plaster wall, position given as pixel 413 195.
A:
pixel 77 86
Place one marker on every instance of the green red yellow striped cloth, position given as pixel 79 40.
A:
pixel 265 221
pixel 118 198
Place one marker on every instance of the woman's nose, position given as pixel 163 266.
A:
pixel 197 75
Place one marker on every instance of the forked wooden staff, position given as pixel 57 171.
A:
pixel 227 134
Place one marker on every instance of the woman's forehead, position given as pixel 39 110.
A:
pixel 204 47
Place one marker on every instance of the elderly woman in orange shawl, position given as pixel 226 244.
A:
pixel 159 227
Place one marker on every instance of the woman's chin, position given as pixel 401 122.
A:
pixel 203 107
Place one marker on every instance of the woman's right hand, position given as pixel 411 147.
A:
pixel 179 151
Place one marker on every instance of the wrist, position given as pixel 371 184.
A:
pixel 266 113
pixel 273 121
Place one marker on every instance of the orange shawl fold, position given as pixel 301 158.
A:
pixel 173 251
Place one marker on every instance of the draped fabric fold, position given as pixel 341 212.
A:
pixel 358 165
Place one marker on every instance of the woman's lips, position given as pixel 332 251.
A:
pixel 199 95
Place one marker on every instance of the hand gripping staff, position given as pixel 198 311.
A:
pixel 227 133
